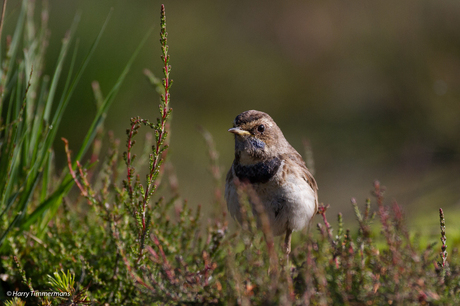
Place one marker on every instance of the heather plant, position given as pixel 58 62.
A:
pixel 129 238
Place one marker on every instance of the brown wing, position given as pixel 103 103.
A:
pixel 229 184
pixel 229 178
pixel 296 158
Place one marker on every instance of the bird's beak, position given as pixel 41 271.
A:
pixel 239 132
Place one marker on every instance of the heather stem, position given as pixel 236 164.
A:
pixel 164 110
pixel 160 147
pixel 443 253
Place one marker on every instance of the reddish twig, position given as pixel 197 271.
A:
pixel 72 172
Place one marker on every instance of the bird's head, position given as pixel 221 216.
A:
pixel 257 137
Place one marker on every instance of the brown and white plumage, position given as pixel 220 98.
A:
pixel 276 172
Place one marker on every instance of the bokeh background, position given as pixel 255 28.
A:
pixel 373 85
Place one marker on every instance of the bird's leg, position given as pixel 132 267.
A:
pixel 287 244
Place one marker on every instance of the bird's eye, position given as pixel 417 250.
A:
pixel 261 128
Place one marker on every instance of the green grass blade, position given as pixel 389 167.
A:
pixel 56 197
pixel 37 126
pixel 58 70
pixel 98 120
pixel 47 176
pixel 11 180
pixel 15 46
pixel 54 201
pixel 68 93
pixel 21 212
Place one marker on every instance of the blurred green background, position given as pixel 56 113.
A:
pixel 373 85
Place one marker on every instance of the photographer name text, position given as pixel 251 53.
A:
pixel 26 294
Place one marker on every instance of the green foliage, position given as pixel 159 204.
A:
pixel 15 302
pixel 29 125
pixel 129 240
pixel 62 282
